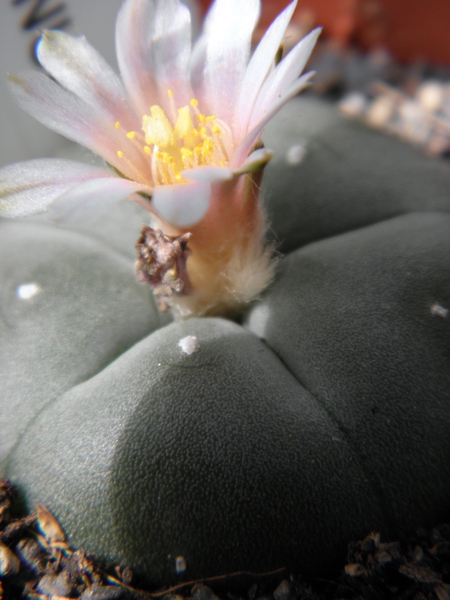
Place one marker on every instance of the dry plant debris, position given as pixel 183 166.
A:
pixel 422 119
pixel 37 563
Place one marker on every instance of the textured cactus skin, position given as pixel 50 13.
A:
pixel 324 415
pixel 350 176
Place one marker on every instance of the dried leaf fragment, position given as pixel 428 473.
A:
pixel 9 563
pixel 48 525
pixel 354 570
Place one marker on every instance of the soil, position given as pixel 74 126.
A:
pixel 37 562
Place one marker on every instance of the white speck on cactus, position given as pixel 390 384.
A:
pixel 180 561
pixel 295 154
pixel 188 344
pixel 27 291
pixel 439 311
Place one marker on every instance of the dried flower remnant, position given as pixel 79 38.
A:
pixel 181 132
pixel 161 262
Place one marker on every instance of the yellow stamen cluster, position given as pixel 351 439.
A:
pixel 194 140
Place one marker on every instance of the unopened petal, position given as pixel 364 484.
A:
pixel 258 68
pixel 255 161
pixel 283 76
pixel 78 67
pixel 133 28
pixel 91 199
pixel 242 151
pixel 228 29
pixel 63 112
pixel 182 205
pixel 28 188
pixel 207 173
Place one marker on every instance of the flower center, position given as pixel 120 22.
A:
pixel 194 140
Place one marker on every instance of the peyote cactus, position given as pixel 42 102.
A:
pixel 323 414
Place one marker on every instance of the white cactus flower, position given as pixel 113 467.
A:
pixel 180 132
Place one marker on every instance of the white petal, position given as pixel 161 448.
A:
pixel 228 29
pixel 198 61
pixel 207 173
pixel 254 161
pixel 133 29
pixel 171 52
pixel 182 205
pixel 283 76
pixel 250 139
pixel 78 67
pixel 30 187
pixel 258 68
pixel 63 112
pixel 91 199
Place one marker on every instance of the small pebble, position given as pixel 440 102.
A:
pixel 353 105
pixel 252 591
pixel 283 591
pixel 380 111
pixel 383 558
pixel 439 311
pixel 414 122
pixel 203 592
pixel 430 95
pixel 180 564
pixel 100 592
pixel 56 585
pixel 354 570
pixel 418 554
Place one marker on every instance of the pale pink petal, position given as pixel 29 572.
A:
pixel 91 199
pixel 242 151
pixel 28 188
pixel 258 68
pixel 254 162
pixel 283 76
pixel 171 52
pixel 63 112
pixel 182 205
pixel 133 30
pixel 198 61
pixel 207 173
pixel 228 29
pixel 78 67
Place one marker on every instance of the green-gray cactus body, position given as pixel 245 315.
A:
pixel 324 415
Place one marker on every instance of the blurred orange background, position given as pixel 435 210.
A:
pixel 412 30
